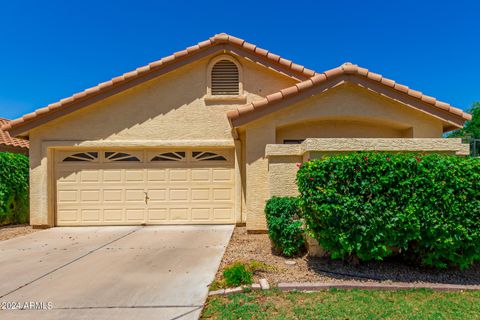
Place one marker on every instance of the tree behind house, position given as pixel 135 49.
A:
pixel 471 131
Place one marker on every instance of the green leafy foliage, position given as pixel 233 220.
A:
pixel 237 275
pixel 472 127
pixel 284 228
pixel 14 203
pixel 371 205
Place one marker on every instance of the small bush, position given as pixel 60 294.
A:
pixel 256 266
pixel 284 228
pixel 14 200
pixel 370 205
pixel 237 275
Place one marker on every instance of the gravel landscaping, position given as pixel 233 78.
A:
pixel 247 247
pixel 9 232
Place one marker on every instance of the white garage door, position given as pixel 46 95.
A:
pixel 128 187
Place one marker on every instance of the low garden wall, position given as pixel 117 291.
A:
pixel 283 159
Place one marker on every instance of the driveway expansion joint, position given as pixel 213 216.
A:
pixel 69 263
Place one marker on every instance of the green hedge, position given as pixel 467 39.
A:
pixel 372 205
pixel 14 203
pixel 284 227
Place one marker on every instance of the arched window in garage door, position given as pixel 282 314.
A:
pixel 111 156
pixel 170 156
pixel 207 156
pixel 82 157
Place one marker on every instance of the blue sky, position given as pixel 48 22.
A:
pixel 52 49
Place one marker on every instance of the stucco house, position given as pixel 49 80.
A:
pixel 208 134
pixel 9 144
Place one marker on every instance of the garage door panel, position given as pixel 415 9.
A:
pixel 178 194
pixel 112 176
pixel 69 215
pixel 203 175
pixel 157 195
pixel 113 195
pixel 158 215
pixel 201 214
pixel 222 213
pixel 90 176
pixel 90 196
pixel 135 215
pixel 179 214
pixel 68 196
pixel 156 175
pixel 168 192
pixel 222 175
pixel 91 215
pixel 134 176
pixel 178 175
pixel 67 176
pixel 113 215
pixel 201 194
pixel 135 195
pixel 222 194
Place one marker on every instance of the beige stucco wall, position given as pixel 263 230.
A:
pixel 282 171
pixel 341 129
pixel 167 111
pixel 344 111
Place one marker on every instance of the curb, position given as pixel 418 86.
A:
pixel 263 285
pixel 321 286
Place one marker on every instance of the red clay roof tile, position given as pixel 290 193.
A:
pixel 216 39
pixel 346 68
pixel 402 88
pixel 7 140
pixel 288 91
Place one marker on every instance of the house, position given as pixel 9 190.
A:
pixel 208 134
pixel 9 144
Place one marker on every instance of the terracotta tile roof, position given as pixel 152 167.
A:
pixel 345 69
pixel 217 39
pixel 6 139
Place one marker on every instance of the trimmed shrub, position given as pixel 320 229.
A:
pixel 14 203
pixel 284 228
pixel 237 275
pixel 370 205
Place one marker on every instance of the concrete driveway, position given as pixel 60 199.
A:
pixel 153 272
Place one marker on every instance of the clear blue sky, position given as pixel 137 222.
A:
pixel 52 49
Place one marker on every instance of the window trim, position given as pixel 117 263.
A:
pixel 240 98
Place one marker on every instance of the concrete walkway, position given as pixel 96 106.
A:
pixel 154 272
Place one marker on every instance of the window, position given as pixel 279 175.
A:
pixel 225 79
pixel 82 156
pixel 170 156
pixel 119 156
pixel 207 156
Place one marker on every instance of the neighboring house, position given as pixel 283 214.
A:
pixel 9 144
pixel 208 134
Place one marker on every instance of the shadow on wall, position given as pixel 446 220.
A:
pixel 343 127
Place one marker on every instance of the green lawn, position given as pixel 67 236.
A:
pixel 343 304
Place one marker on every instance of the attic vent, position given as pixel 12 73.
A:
pixel 225 79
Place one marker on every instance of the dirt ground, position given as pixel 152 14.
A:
pixel 247 247
pixel 9 232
